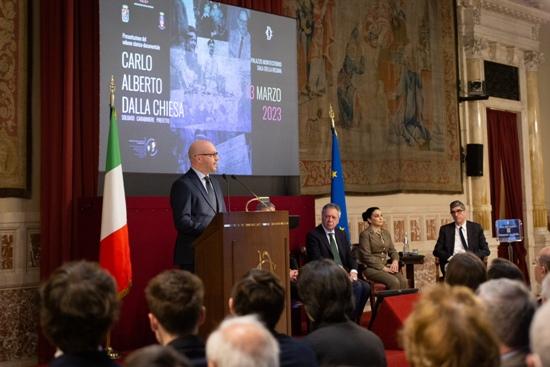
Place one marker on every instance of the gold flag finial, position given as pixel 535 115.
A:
pixel 112 89
pixel 331 115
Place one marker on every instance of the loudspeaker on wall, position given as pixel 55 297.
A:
pixel 474 160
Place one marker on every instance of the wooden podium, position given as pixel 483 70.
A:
pixel 231 245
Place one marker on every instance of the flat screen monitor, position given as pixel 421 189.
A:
pixel 197 69
pixel 509 230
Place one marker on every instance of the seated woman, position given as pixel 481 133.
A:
pixel 375 245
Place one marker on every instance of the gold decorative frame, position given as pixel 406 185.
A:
pixel 15 132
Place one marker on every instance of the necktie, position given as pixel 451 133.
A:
pixel 334 249
pixel 210 191
pixel 462 239
pixel 241 46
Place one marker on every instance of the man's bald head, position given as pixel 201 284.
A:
pixel 243 342
pixel 203 156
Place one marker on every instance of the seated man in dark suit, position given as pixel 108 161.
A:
pixel 175 300
pixel 75 330
pixel 327 241
pixel 325 289
pixel 460 236
pixel 260 292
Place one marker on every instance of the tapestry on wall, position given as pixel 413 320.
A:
pixel 388 68
pixel 14 76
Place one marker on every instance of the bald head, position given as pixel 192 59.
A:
pixel 243 342
pixel 203 156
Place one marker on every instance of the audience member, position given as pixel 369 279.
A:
pixel 510 308
pixel 327 241
pixel 175 300
pixel 542 264
pixel 504 268
pixel 326 292
pixel 466 269
pixel 375 246
pixel 79 305
pixel 242 342
pixel 156 356
pixel 448 328
pixel 260 292
pixel 460 236
pixel 540 338
pixel 545 290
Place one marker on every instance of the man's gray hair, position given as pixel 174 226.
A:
pixel 331 206
pixel 242 342
pixel 510 307
pixel 457 204
pixel 540 335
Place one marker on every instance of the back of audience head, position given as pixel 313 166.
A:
pixel 545 289
pixel 156 356
pixel 510 309
pixel 326 291
pixel 448 328
pixel 504 268
pixel 540 338
pixel 242 342
pixel 542 264
pixel 466 269
pixel 79 304
pixel 175 299
pixel 258 292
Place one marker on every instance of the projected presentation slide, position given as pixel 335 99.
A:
pixel 196 69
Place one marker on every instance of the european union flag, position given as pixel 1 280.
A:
pixel 337 192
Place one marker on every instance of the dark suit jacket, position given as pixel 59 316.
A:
pixel 87 359
pixel 318 247
pixel 192 347
pixel 445 244
pixel 192 211
pixel 346 344
pixel 294 353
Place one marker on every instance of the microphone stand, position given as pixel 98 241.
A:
pixel 250 191
pixel 227 190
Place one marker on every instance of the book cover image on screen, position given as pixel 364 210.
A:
pixel 197 69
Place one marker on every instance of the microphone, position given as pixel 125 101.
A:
pixel 227 190
pixel 261 199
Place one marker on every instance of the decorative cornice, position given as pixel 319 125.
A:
pixel 532 60
pixel 516 10
pixel 474 46
pixel 512 55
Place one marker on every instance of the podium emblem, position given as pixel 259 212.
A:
pixel 264 259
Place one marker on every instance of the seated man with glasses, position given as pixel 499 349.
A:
pixel 195 199
pixel 460 236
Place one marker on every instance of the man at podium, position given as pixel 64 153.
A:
pixel 195 198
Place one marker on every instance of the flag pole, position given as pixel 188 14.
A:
pixel 331 115
pixel 108 349
pixel 337 190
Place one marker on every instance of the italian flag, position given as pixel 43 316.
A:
pixel 114 250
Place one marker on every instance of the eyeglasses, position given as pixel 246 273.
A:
pixel 456 211
pixel 211 155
